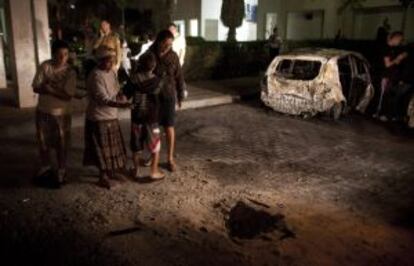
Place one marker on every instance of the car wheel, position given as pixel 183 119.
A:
pixel 336 111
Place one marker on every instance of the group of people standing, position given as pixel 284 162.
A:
pixel 153 90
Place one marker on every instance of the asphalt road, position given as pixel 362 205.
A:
pixel 343 190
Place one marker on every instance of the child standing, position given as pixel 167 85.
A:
pixel 55 82
pixel 144 88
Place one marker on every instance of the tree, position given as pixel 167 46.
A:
pixel 232 15
pixel 123 4
pixel 406 4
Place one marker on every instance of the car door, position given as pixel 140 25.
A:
pixel 360 81
pixel 345 75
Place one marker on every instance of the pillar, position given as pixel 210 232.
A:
pixel 29 31
pixel 3 78
pixel 41 30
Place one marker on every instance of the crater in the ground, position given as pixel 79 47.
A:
pixel 246 222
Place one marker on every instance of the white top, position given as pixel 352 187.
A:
pixel 61 80
pixel 126 62
pixel 179 46
pixel 102 88
pixel 144 48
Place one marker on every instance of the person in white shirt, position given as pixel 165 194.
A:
pixel 126 61
pixel 179 44
pixel 55 82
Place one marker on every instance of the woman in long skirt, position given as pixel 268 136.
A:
pixel 104 144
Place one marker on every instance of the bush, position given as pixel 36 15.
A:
pixel 221 60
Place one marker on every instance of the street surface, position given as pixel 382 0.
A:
pixel 342 194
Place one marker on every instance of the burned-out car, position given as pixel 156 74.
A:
pixel 311 81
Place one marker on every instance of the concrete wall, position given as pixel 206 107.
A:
pixel 305 25
pixel 41 30
pixel 353 24
pixel 187 10
pixel 3 78
pixel 284 8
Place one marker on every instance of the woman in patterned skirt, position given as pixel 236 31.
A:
pixel 104 144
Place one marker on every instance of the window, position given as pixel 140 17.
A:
pixel 298 69
pixel 360 66
pixel 194 27
pixel 345 75
pixel 180 27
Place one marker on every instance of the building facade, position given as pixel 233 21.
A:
pixel 295 19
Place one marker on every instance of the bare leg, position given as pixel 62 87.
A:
pixel 136 159
pixel 170 131
pixel 155 172
pixel 104 179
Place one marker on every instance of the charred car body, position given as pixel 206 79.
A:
pixel 311 81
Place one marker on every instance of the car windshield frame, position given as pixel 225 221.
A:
pixel 291 69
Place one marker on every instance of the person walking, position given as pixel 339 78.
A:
pixel 55 82
pixel 104 143
pixel 172 92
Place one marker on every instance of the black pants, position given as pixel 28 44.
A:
pixel 399 100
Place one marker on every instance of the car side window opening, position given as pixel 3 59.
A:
pixel 360 67
pixel 345 75
pixel 360 82
pixel 298 69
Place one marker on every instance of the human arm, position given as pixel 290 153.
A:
pixel 388 62
pixel 39 80
pixel 98 93
pixel 118 50
pixel 179 81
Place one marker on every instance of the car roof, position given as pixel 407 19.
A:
pixel 320 53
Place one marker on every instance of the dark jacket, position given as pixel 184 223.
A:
pixel 169 69
pixel 144 94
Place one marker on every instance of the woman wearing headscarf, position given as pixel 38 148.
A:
pixel 104 143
